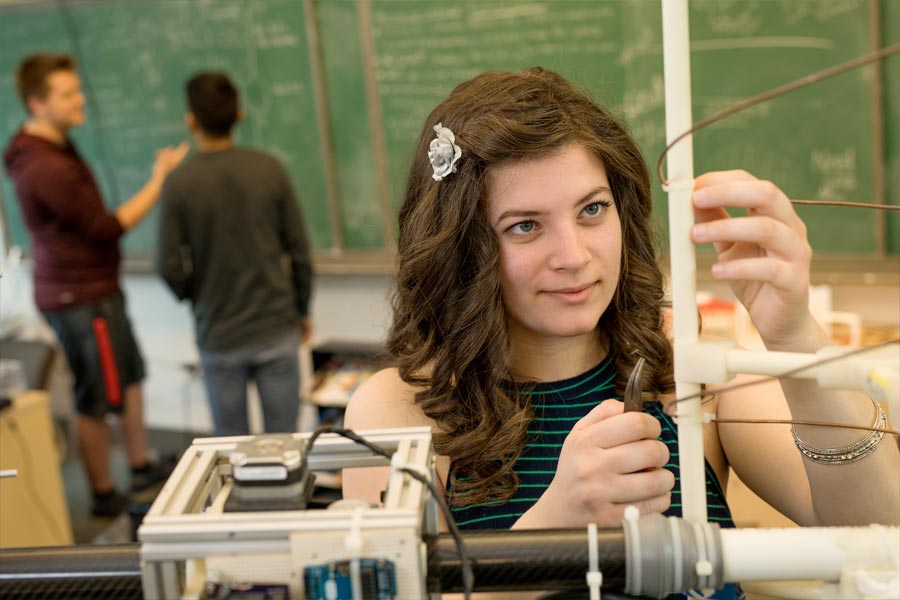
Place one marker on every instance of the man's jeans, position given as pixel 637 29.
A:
pixel 274 366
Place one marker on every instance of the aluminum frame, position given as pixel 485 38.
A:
pixel 186 536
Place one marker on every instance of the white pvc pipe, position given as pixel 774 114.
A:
pixel 807 552
pixel 878 375
pixel 773 363
pixel 680 169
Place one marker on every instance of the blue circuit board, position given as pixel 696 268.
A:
pixel 332 581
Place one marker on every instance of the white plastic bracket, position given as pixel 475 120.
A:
pixel 594 576
pixel 398 464
pixel 679 185
pixel 702 362
pixel 353 543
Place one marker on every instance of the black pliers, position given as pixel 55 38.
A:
pixel 634 389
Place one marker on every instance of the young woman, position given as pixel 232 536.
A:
pixel 527 289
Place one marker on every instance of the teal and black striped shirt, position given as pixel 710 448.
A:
pixel 557 407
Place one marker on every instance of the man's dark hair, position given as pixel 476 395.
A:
pixel 213 100
pixel 33 71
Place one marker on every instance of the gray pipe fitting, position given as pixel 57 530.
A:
pixel 666 555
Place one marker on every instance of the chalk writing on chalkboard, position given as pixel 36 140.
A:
pixel 816 142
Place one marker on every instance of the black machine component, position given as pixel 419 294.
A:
pixel 270 473
pixel 231 590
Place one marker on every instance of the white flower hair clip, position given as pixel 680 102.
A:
pixel 443 152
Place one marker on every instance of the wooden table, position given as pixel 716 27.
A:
pixel 33 509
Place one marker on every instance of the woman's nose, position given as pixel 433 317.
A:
pixel 571 252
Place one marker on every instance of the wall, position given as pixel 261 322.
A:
pixel 344 307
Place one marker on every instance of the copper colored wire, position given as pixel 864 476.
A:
pixel 710 393
pixel 778 91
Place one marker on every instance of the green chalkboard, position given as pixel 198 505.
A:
pixel 816 142
pixel 383 64
pixel 351 133
pixel 136 57
pixel 891 68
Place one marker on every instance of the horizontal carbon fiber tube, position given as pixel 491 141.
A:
pixel 551 559
pixel 71 572
pixel 501 560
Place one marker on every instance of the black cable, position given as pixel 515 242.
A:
pixel 97 122
pixel 27 474
pixel 468 577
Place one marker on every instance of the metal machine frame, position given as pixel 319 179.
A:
pixel 186 535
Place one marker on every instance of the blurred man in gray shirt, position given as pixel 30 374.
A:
pixel 232 241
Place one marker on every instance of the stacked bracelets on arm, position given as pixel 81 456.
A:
pixel 848 454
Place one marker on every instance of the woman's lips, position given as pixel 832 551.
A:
pixel 573 295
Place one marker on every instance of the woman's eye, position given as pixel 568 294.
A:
pixel 522 227
pixel 595 208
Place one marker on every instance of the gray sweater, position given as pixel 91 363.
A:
pixel 232 241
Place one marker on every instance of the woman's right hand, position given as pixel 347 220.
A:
pixel 610 460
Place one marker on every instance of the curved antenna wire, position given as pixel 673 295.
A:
pixel 778 91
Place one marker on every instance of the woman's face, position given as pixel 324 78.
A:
pixel 560 244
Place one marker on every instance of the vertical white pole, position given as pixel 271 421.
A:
pixel 680 169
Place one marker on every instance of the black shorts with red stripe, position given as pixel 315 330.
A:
pixel 102 353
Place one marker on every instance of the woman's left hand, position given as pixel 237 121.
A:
pixel 764 255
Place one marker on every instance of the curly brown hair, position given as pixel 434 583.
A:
pixel 449 333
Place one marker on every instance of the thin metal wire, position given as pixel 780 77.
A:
pixel 737 386
pixel 814 423
pixel 812 365
pixel 778 91
pixel 851 204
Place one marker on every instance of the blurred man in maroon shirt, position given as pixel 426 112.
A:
pixel 75 242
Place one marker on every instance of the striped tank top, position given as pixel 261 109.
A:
pixel 557 407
